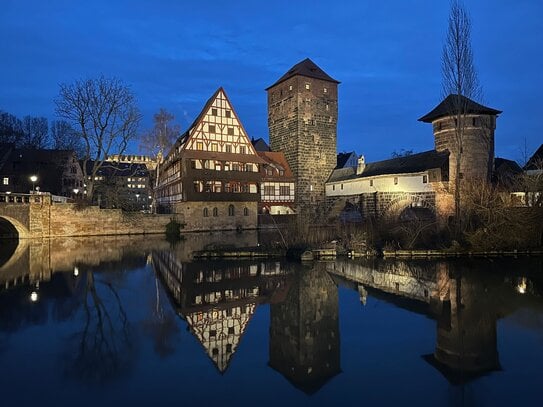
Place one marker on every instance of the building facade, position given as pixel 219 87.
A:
pixel 211 176
pixel 277 194
pixel 302 121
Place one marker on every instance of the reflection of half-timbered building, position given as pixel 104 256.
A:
pixel 211 174
pixel 218 300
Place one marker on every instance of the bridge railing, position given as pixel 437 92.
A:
pixel 17 198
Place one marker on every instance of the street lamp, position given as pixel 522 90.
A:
pixel 76 191
pixel 33 178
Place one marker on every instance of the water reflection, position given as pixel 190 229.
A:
pixel 108 297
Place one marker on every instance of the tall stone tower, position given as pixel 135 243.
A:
pixel 478 138
pixel 302 120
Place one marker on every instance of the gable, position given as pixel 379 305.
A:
pixel 218 129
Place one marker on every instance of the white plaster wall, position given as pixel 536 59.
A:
pixel 381 183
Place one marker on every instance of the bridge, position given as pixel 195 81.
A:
pixel 26 216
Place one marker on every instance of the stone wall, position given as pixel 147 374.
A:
pixel 194 216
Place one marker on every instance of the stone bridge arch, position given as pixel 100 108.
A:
pixel 12 228
pixel 394 209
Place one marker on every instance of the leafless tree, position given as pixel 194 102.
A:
pixel 105 114
pixel 459 78
pixel 35 130
pixel 158 140
pixel 11 129
pixel 65 137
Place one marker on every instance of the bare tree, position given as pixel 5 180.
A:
pixel 160 138
pixel 11 129
pixel 35 131
pixel 65 137
pixel 105 114
pixel 459 78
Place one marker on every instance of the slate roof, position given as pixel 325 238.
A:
pixel 452 103
pixel 401 165
pixel 342 159
pixel 306 68
pixel 260 145
pixel 277 158
pixel 535 161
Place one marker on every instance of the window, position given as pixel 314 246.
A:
pixel 5 181
pixel 341 186
pixel 196 186
pixel 245 212
pixel 325 90
pixel 230 330
pixel 307 86
pixel 425 179
pixel 235 166
pixel 229 347
pixel 218 165
pixel 242 150
pixel 206 164
pixel 269 171
pixel 230 131
pixel 371 182
pixel 214 112
pixel 227 166
pixel 333 187
pixel 214 147
pixel 290 87
pixel 193 164
pixel 211 128
pixel 199 145
pixel 231 210
pixel 395 180
pixel 269 190
pixel 215 212
pixel 228 113
pixel 206 212
pixel 281 172
pixel 284 190
pixel 228 148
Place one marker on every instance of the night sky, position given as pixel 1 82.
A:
pixel 175 54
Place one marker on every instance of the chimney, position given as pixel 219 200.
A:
pixel 361 165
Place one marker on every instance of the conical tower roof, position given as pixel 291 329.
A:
pixel 306 68
pixel 452 104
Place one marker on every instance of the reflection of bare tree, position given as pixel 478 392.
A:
pixel 161 326
pixel 104 349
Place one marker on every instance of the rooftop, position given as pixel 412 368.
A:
pixel 452 104
pixel 306 68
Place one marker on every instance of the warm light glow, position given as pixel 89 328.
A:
pixel 76 271
pixel 33 296
pixel 33 178
pixel 76 191
pixel 522 285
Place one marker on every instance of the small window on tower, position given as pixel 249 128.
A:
pixel 290 87
pixel 425 179
pixel 307 86
pixel 371 182
pixel 325 90
pixel 395 180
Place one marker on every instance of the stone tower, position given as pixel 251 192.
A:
pixel 302 121
pixel 478 139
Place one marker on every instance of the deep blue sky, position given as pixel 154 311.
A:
pixel 175 54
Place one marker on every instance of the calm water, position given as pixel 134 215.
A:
pixel 100 322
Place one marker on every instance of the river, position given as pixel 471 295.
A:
pixel 133 321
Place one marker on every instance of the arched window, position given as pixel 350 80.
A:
pixel 215 212
pixel 230 210
pixel 206 212
pixel 245 212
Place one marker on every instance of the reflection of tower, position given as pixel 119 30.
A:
pixel 466 333
pixel 304 331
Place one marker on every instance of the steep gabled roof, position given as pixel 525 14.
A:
pixel 454 103
pixel 401 165
pixel 277 158
pixel 536 161
pixel 306 68
pixel 342 159
pixel 260 145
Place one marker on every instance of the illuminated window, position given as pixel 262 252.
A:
pixel 284 190
pixel 214 147
pixel 5 181
pixel 395 180
pixel 290 87
pixel 307 86
pixel 325 90
pixel 199 145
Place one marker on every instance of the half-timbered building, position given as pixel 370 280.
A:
pixel 277 186
pixel 212 173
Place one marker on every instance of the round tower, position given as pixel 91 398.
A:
pixel 476 124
